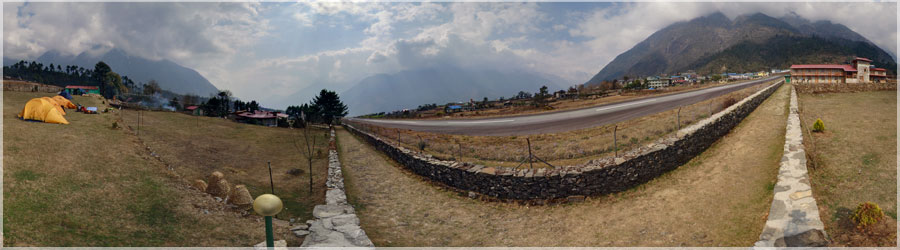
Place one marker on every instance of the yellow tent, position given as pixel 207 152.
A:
pixel 62 101
pixel 40 109
pixel 55 104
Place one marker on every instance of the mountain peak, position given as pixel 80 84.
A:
pixel 681 45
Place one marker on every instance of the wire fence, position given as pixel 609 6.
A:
pixel 558 149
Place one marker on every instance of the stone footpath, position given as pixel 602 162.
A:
pixel 336 224
pixel 794 217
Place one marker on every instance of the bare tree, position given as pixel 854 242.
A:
pixel 309 148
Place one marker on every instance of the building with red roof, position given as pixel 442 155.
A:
pixel 860 71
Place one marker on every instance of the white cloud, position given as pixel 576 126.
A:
pixel 219 39
pixel 303 19
pixel 177 31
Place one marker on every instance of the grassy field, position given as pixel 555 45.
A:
pixel 196 146
pixel 565 148
pixel 853 161
pixel 720 198
pixel 86 184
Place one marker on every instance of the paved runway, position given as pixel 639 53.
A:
pixel 561 121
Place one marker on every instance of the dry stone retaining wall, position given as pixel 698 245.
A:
pixel 336 224
pixel 794 217
pixel 601 176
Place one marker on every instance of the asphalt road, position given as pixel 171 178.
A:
pixel 561 121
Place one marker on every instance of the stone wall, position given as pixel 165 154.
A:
pixel 794 217
pixel 600 176
pixel 336 224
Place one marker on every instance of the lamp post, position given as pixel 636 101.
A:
pixel 268 205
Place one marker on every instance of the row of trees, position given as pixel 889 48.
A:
pixel 109 82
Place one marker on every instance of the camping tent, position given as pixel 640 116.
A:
pixel 62 101
pixel 55 104
pixel 65 94
pixel 40 109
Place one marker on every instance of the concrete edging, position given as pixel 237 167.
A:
pixel 599 176
pixel 336 224
pixel 794 217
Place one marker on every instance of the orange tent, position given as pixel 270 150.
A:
pixel 55 104
pixel 62 101
pixel 40 109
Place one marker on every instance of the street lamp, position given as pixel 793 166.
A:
pixel 268 205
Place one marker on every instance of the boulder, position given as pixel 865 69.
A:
pixel 219 188
pixel 241 197
pixel 200 185
pixel 214 177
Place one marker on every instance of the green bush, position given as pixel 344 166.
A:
pixel 867 213
pixel 421 145
pixel 819 126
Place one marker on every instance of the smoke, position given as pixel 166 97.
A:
pixel 156 101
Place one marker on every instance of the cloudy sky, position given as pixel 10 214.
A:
pixel 269 51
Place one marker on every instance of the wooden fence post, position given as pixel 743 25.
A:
pixel 678 118
pixel 615 138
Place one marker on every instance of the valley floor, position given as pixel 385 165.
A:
pixel 720 198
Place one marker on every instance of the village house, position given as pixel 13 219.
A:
pixel 78 90
pixel 658 82
pixel 860 70
pixel 259 117
pixel 194 110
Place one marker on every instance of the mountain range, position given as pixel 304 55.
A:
pixel 169 75
pixel 717 44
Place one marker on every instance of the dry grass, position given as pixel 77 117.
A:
pixel 85 184
pixel 853 161
pixel 524 107
pixel 196 146
pixel 565 148
pixel 720 198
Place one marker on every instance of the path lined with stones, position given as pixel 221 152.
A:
pixel 336 224
pixel 794 217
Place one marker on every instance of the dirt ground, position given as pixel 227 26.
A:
pixel 853 161
pixel 720 198
pixel 85 184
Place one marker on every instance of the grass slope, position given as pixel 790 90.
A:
pixel 85 184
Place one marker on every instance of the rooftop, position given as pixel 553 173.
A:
pixel 81 87
pixel 823 66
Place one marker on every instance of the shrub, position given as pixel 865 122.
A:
pixel 729 101
pixel 819 126
pixel 421 144
pixel 867 213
